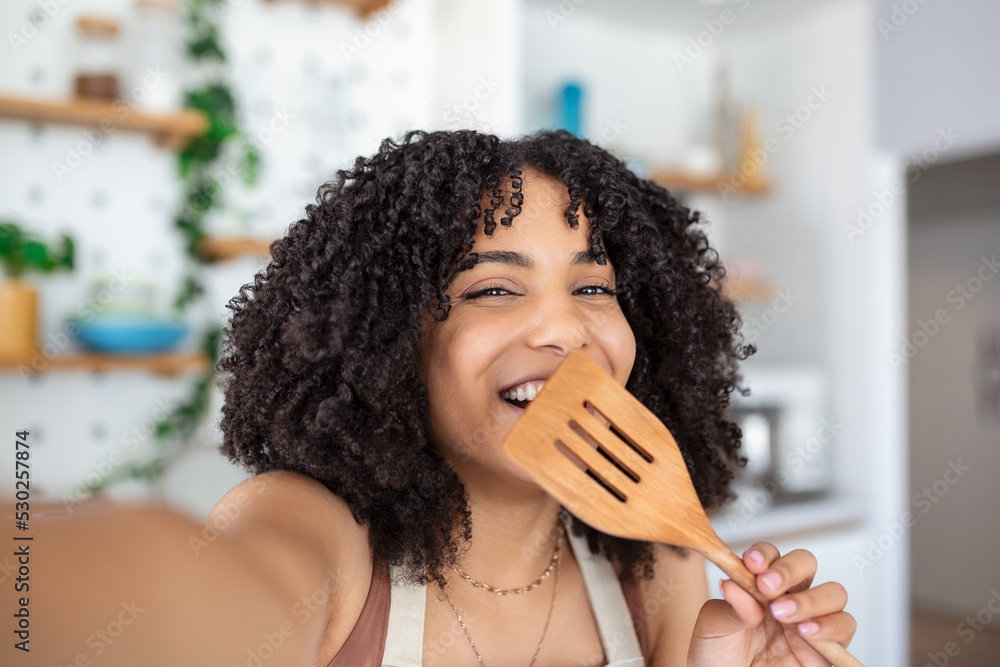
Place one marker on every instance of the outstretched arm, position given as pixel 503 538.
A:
pixel 112 584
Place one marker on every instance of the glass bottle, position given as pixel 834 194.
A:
pixel 97 58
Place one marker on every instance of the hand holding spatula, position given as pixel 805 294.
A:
pixel 640 488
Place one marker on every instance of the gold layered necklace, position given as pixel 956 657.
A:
pixel 553 564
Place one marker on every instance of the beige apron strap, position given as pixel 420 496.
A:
pixel 404 641
pixel 614 622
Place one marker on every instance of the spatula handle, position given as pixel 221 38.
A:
pixel 733 566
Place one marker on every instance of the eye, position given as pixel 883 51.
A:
pixel 485 290
pixel 605 289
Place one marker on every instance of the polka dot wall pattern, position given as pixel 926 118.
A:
pixel 316 86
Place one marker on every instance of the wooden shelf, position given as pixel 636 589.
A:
pixel 362 7
pixel 716 184
pixel 168 363
pixel 221 248
pixel 172 131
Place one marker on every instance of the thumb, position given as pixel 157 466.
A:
pixel 737 612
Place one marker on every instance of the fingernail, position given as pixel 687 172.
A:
pixel 783 608
pixel 755 556
pixel 720 589
pixel 808 628
pixel 771 580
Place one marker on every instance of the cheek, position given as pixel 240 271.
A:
pixel 620 343
pixel 456 365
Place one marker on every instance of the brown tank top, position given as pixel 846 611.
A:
pixel 366 643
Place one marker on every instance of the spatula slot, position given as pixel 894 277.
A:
pixel 578 462
pixel 610 489
pixel 621 436
pixel 580 431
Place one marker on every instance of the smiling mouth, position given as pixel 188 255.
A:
pixel 521 405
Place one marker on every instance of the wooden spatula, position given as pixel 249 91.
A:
pixel 637 488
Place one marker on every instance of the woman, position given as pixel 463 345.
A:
pixel 370 374
pixel 376 360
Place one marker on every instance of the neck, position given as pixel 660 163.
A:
pixel 513 536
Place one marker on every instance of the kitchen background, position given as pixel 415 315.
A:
pixel 845 153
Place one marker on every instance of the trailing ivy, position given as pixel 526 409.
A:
pixel 199 164
pixel 203 169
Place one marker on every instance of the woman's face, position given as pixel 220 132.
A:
pixel 535 294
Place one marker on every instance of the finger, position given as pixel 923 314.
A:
pixel 758 557
pixel 827 598
pixel 788 574
pixel 744 607
pixel 839 627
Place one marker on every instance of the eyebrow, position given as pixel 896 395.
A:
pixel 520 260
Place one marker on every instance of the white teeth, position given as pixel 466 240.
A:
pixel 525 392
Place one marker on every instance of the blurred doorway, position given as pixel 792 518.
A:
pixel 952 355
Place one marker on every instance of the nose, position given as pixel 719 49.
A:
pixel 559 324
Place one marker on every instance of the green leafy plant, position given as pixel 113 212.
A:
pixel 21 251
pixel 199 162
pixel 198 165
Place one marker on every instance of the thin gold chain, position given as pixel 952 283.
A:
pixel 521 589
pixel 548 618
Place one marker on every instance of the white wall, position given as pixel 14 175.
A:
pixel 478 50
pixel 635 99
pixel 936 64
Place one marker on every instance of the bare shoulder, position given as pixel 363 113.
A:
pixel 305 538
pixel 296 501
pixel 671 601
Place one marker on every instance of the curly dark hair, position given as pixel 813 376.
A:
pixel 319 363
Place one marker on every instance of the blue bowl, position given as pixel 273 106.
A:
pixel 135 334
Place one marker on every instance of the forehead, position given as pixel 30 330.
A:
pixel 539 229
pixel 542 214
